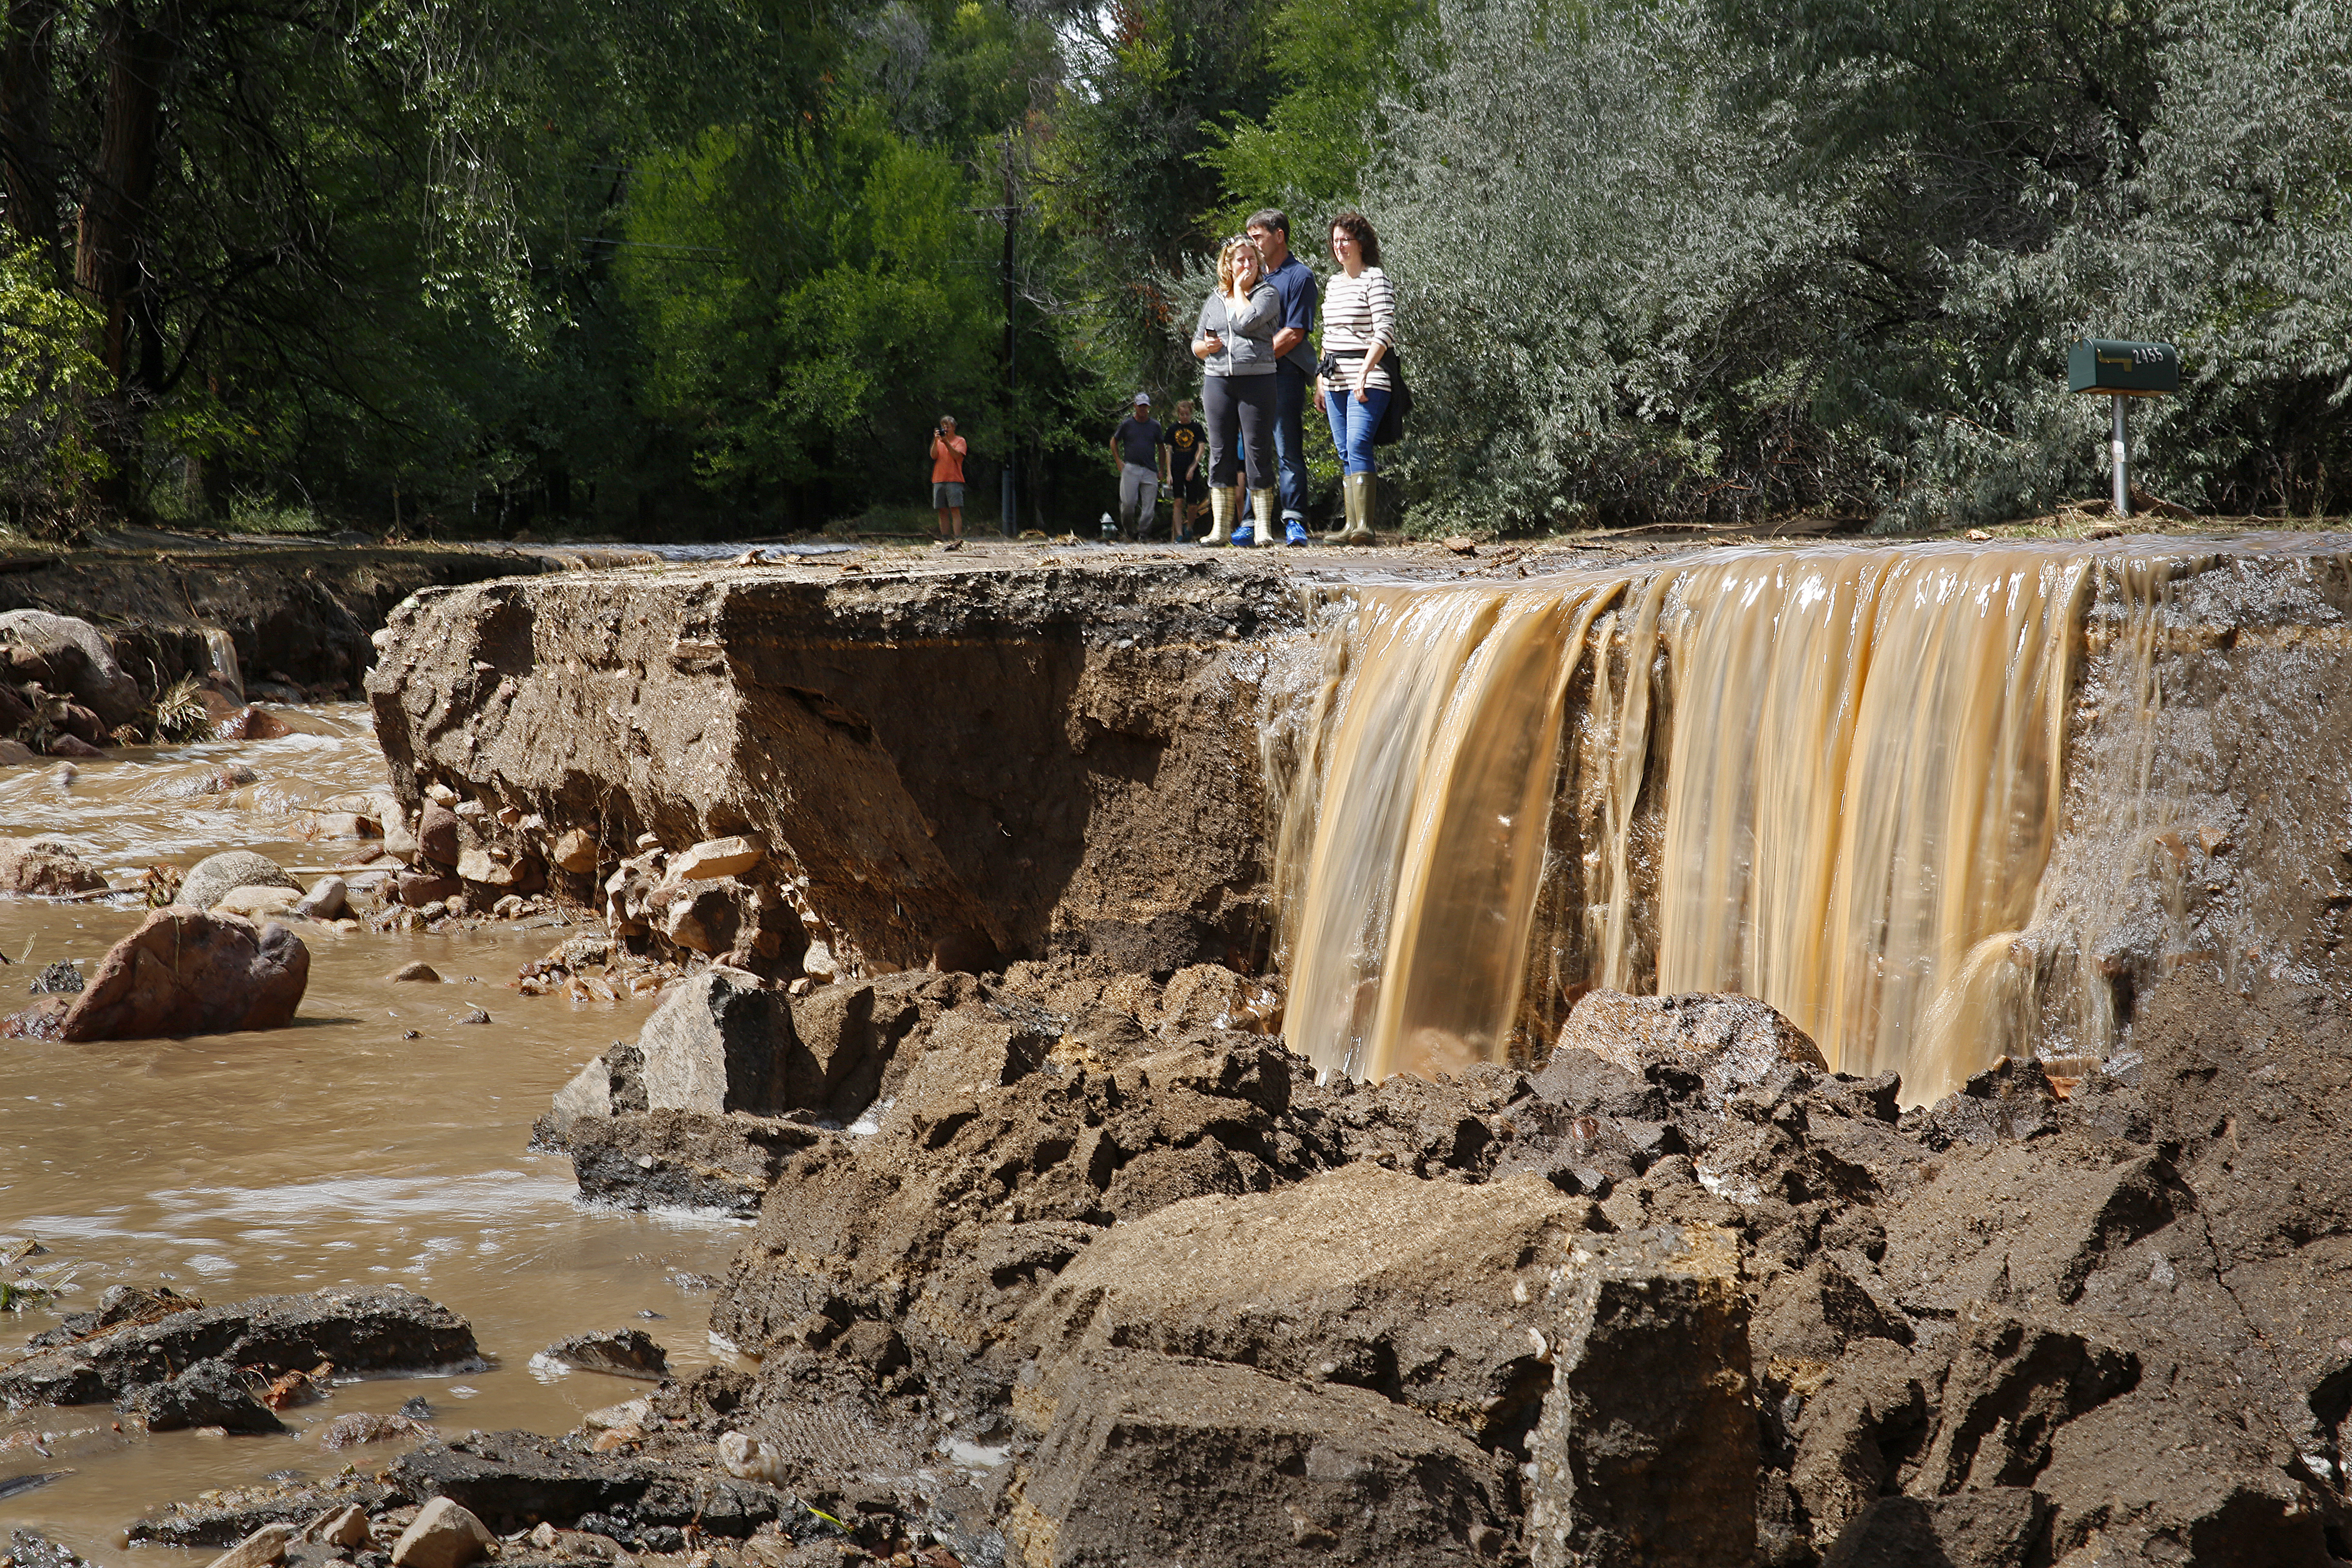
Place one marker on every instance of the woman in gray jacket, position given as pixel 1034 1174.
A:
pixel 1235 343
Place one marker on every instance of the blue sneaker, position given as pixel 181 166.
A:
pixel 1247 534
pixel 1295 531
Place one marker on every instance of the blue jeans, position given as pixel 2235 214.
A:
pixel 1290 438
pixel 1352 424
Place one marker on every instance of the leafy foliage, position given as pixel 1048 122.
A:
pixel 717 265
pixel 1749 259
pixel 50 374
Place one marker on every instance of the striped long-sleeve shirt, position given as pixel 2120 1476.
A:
pixel 1357 312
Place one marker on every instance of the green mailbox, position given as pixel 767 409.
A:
pixel 2117 369
pixel 2131 370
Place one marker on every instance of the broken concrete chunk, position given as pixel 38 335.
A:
pixel 1730 1042
pixel 1162 1459
pixel 1646 1451
pixel 386 1330
pixel 718 1043
pixel 444 1534
pixel 626 1353
pixel 262 1548
pixel 681 1159
pixel 718 858
pixel 209 1393
pixel 1364 1275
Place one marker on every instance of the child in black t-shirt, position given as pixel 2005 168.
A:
pixel 1188 471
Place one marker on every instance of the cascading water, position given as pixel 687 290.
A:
pixel 1828 777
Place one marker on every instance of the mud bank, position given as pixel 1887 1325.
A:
pixel 298 613
pixel 960 767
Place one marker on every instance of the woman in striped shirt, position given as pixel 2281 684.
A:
pixel 1358 330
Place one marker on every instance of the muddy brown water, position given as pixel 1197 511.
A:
pixel 333 1152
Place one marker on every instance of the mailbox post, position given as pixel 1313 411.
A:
pixel 2121 370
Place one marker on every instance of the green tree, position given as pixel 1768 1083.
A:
pixel 48 375
pixel 1337 64
pixel 810 307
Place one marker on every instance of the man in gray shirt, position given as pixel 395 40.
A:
pixel 1140 448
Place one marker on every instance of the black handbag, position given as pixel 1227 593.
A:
pixel 1391 425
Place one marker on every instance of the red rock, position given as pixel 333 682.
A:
pixel 37 868
pixel 187 973
pixel 436 834
pixel 84 725
pixel 251 723
pixel 219 706
pixel 71 745
pixel 418 889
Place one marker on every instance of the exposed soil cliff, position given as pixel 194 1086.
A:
pixel 963 767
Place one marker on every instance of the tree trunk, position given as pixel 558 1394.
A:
pixel 109 258
pixel 28 160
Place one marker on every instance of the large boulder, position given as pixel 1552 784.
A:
pixel 680 1159
pixel 513 1480
pixel 39 869
pixel 1730 1042
pixel 209 1393
pixel 1431 1291
pixel 79 662
pixel 186 972
pixel 388 1330
pixel 444 1534
pixel 1157 1458
pixel 215 876
pixel 718 1043
pixel 1647 1451
pixel 624 1353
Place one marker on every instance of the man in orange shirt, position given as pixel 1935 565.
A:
pixel 946 476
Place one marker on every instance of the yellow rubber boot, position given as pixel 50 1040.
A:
pixel 1221 517
pixel 1361 493
pixel 1262 516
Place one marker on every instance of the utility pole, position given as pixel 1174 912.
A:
pixel 1012 345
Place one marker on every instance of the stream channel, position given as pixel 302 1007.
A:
pixel 338 1151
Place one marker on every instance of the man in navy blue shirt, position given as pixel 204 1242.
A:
pixel 1269 230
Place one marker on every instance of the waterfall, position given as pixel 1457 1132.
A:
pixel 1829 777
